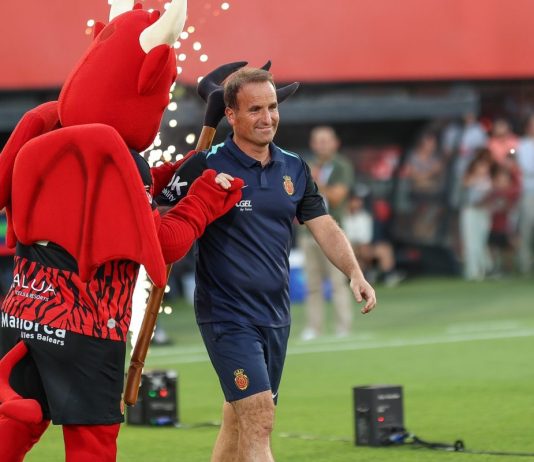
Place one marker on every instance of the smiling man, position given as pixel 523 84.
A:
pixel 242 270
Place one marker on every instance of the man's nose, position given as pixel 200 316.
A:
pixel 266 116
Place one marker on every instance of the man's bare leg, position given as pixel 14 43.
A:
pixel 255 416
pixel 225 449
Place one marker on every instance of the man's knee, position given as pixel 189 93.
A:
pixel 255 413
pixel 230 422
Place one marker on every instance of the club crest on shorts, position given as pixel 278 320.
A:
pixel 288 185
pixel 241 380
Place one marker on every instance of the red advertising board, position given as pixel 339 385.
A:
pixel 310 41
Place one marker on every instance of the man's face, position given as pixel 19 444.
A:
pixel 256 117
pixel 324 143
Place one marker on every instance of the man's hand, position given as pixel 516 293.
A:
pixel 362 290
pixel 217 192
pixel 224 180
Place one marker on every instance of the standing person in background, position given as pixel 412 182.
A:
pixel 503 140
pixel 502 201
pixel 525 161
pixel 460 141
pixel 475 216
pixel 334 177
pixel 242 263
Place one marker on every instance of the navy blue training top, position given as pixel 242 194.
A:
pixel 242 259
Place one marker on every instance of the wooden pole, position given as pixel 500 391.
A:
pixel 137 361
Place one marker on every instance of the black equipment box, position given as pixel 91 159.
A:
pixel 378 414
pixel 157 403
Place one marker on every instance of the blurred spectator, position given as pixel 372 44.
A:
pixel 525 161
pixel 460 141
pixel 424 167
pixel 358 226
pixel 334 176
pixel 475 216
pixel 502 141
pixel 383 252
pixel 370 240
pixel 502 201
pixel 424 171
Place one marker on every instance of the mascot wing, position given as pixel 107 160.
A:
pixel 39 120
pixel 79 188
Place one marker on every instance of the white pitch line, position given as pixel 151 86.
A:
pixel 176 354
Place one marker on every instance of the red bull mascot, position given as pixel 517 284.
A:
pixel 78 197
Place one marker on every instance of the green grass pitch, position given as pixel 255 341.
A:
pixel 463 353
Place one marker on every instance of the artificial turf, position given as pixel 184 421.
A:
pixel 463 353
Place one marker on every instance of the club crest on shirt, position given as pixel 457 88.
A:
pixel 288 185
pixel 241 380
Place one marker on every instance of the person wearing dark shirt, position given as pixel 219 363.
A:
pixel 242 264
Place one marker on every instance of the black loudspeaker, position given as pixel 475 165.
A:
pixel 157 403
pixel 378 414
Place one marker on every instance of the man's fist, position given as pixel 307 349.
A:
pixel 218 192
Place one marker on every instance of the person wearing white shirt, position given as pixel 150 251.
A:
pixel 525 160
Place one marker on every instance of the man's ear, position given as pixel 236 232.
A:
pixel 230 115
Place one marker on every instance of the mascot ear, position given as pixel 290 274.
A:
pixel 97 29
pixel 153 67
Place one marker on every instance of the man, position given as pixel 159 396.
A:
pixel 334 177
pixel 241 300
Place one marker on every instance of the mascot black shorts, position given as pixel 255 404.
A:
pixel 77 379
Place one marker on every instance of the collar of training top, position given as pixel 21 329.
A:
pixel 245 159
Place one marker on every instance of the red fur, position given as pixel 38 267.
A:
pixel 39 120
pixel 11 403
pixel 104 86
pixel 93 202
pixel 97 29
pixel 18 438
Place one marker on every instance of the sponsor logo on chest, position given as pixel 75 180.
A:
pixel 244 205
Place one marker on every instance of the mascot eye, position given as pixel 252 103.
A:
pixel 106 32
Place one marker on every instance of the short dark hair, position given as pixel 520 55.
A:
pixel 239 79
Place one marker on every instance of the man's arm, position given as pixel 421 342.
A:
pixel 338 250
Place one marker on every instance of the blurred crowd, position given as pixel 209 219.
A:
pixel 481 175
pixel 464 186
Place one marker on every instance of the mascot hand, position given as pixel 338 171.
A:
pixel 216 200
pixel 206 201
pixel 163 174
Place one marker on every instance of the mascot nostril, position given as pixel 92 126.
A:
pixel 81 214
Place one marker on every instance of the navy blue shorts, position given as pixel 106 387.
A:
pixel 248 359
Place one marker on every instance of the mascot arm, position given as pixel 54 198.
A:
pixel 161 175
pixel 205 202
pixel 80 188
